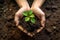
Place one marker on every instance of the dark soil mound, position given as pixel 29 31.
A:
pixel 30 27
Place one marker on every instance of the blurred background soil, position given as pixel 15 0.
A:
pixel 8 30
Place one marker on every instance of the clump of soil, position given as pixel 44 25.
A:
pixel 30 27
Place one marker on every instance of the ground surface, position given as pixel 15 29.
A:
pixel 8 30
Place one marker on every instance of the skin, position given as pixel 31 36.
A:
pixel 38 12
pixel 24 7
pixel 35 8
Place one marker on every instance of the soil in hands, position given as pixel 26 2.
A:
pixel 30 27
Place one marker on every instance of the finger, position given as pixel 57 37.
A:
pixel 43 20
pixel 16 20
pixel 17 16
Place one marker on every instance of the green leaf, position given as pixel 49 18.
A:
pixel 32 15
pixel 30 12
pixel 25 13
pixel 27 19
pixel 33 20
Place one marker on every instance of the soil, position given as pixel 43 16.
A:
pixel 30 27
pixel 9 31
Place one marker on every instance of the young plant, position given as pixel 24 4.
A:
pixel 29 16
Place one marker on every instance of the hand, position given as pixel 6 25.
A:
pixel 18 14
pixel 40 14
pixel 24 7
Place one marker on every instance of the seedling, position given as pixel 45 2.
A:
pixel 29 16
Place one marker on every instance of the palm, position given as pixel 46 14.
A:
pixel 19 15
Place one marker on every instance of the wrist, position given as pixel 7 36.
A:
pixel 34 7
pixel 38 3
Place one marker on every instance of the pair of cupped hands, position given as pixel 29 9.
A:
pixel 35 8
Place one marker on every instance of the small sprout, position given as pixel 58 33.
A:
pixel 30 12
pixel 32 15
pixel 27 19
pixel 29 16
pixel 25 13
pixel 33 20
